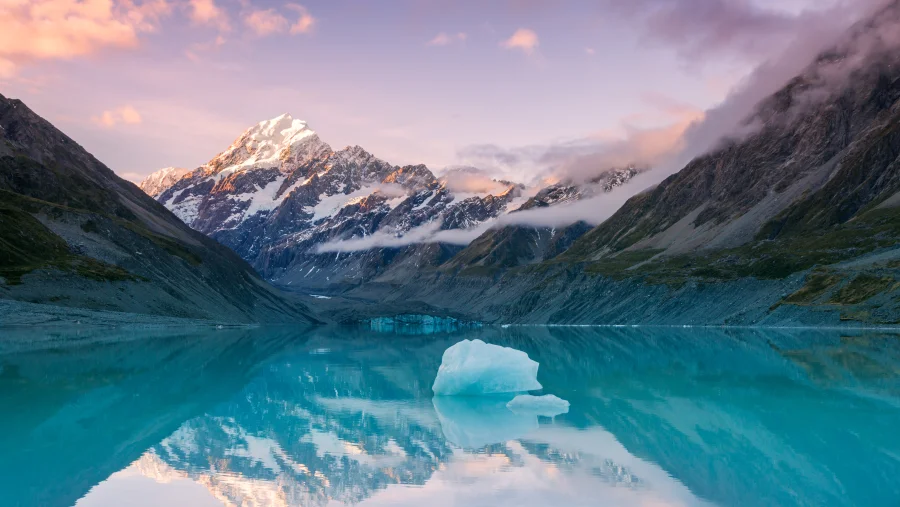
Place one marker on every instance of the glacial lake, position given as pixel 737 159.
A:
pixel 330 417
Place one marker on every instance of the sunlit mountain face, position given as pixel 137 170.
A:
pixel 283 418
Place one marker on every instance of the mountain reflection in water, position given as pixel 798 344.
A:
pixel 332 417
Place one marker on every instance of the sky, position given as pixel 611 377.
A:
pixel 510 86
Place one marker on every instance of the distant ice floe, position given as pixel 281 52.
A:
pixel 472 367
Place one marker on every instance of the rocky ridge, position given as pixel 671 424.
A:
pixel 315 219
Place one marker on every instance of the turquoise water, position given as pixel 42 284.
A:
pixel 675 417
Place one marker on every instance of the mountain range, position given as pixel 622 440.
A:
pixel 309 217
pixel 793 221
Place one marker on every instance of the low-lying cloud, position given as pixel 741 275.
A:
pixel 471 180
pixel 428 233
pixel 734 118
pixel 580 160
pixel 593 211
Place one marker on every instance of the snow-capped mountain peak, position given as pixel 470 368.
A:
pixel 280 131
pixel 268 144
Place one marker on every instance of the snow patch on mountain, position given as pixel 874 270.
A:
pixel 265 198
pixel 329 205
pixel 187 210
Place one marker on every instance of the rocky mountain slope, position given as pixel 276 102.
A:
pixel 154 184
pixel 308 217
pixel 795 222
pixel 515 245
pixel 74 234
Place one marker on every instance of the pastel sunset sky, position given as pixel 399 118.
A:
pixel 495 84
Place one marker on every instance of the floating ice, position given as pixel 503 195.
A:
pixel 474 422
pixel 476 368
pixel 547 405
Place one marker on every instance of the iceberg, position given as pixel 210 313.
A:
pixel 547 405
pixel 472 367
pixel 475 422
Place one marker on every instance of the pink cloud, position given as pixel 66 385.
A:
pixel 7 68
pixel 206 12
pixel 523 39
pixel 266 22
pixel 304 23
pixel 194 51
pixel 125 114
pixel 444 39
pixel 48 29
pixel 646 140
pixel 270 22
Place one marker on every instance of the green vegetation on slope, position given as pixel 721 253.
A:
pixel 26 245
pixel 861 289
pixel 775 259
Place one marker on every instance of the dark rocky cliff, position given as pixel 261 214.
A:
pixel 72 233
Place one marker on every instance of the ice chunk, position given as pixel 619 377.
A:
pixel 474 422
pixel 472 367
pixel 547 405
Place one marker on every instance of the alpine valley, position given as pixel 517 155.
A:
pixel 653 258
pixel 793 223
